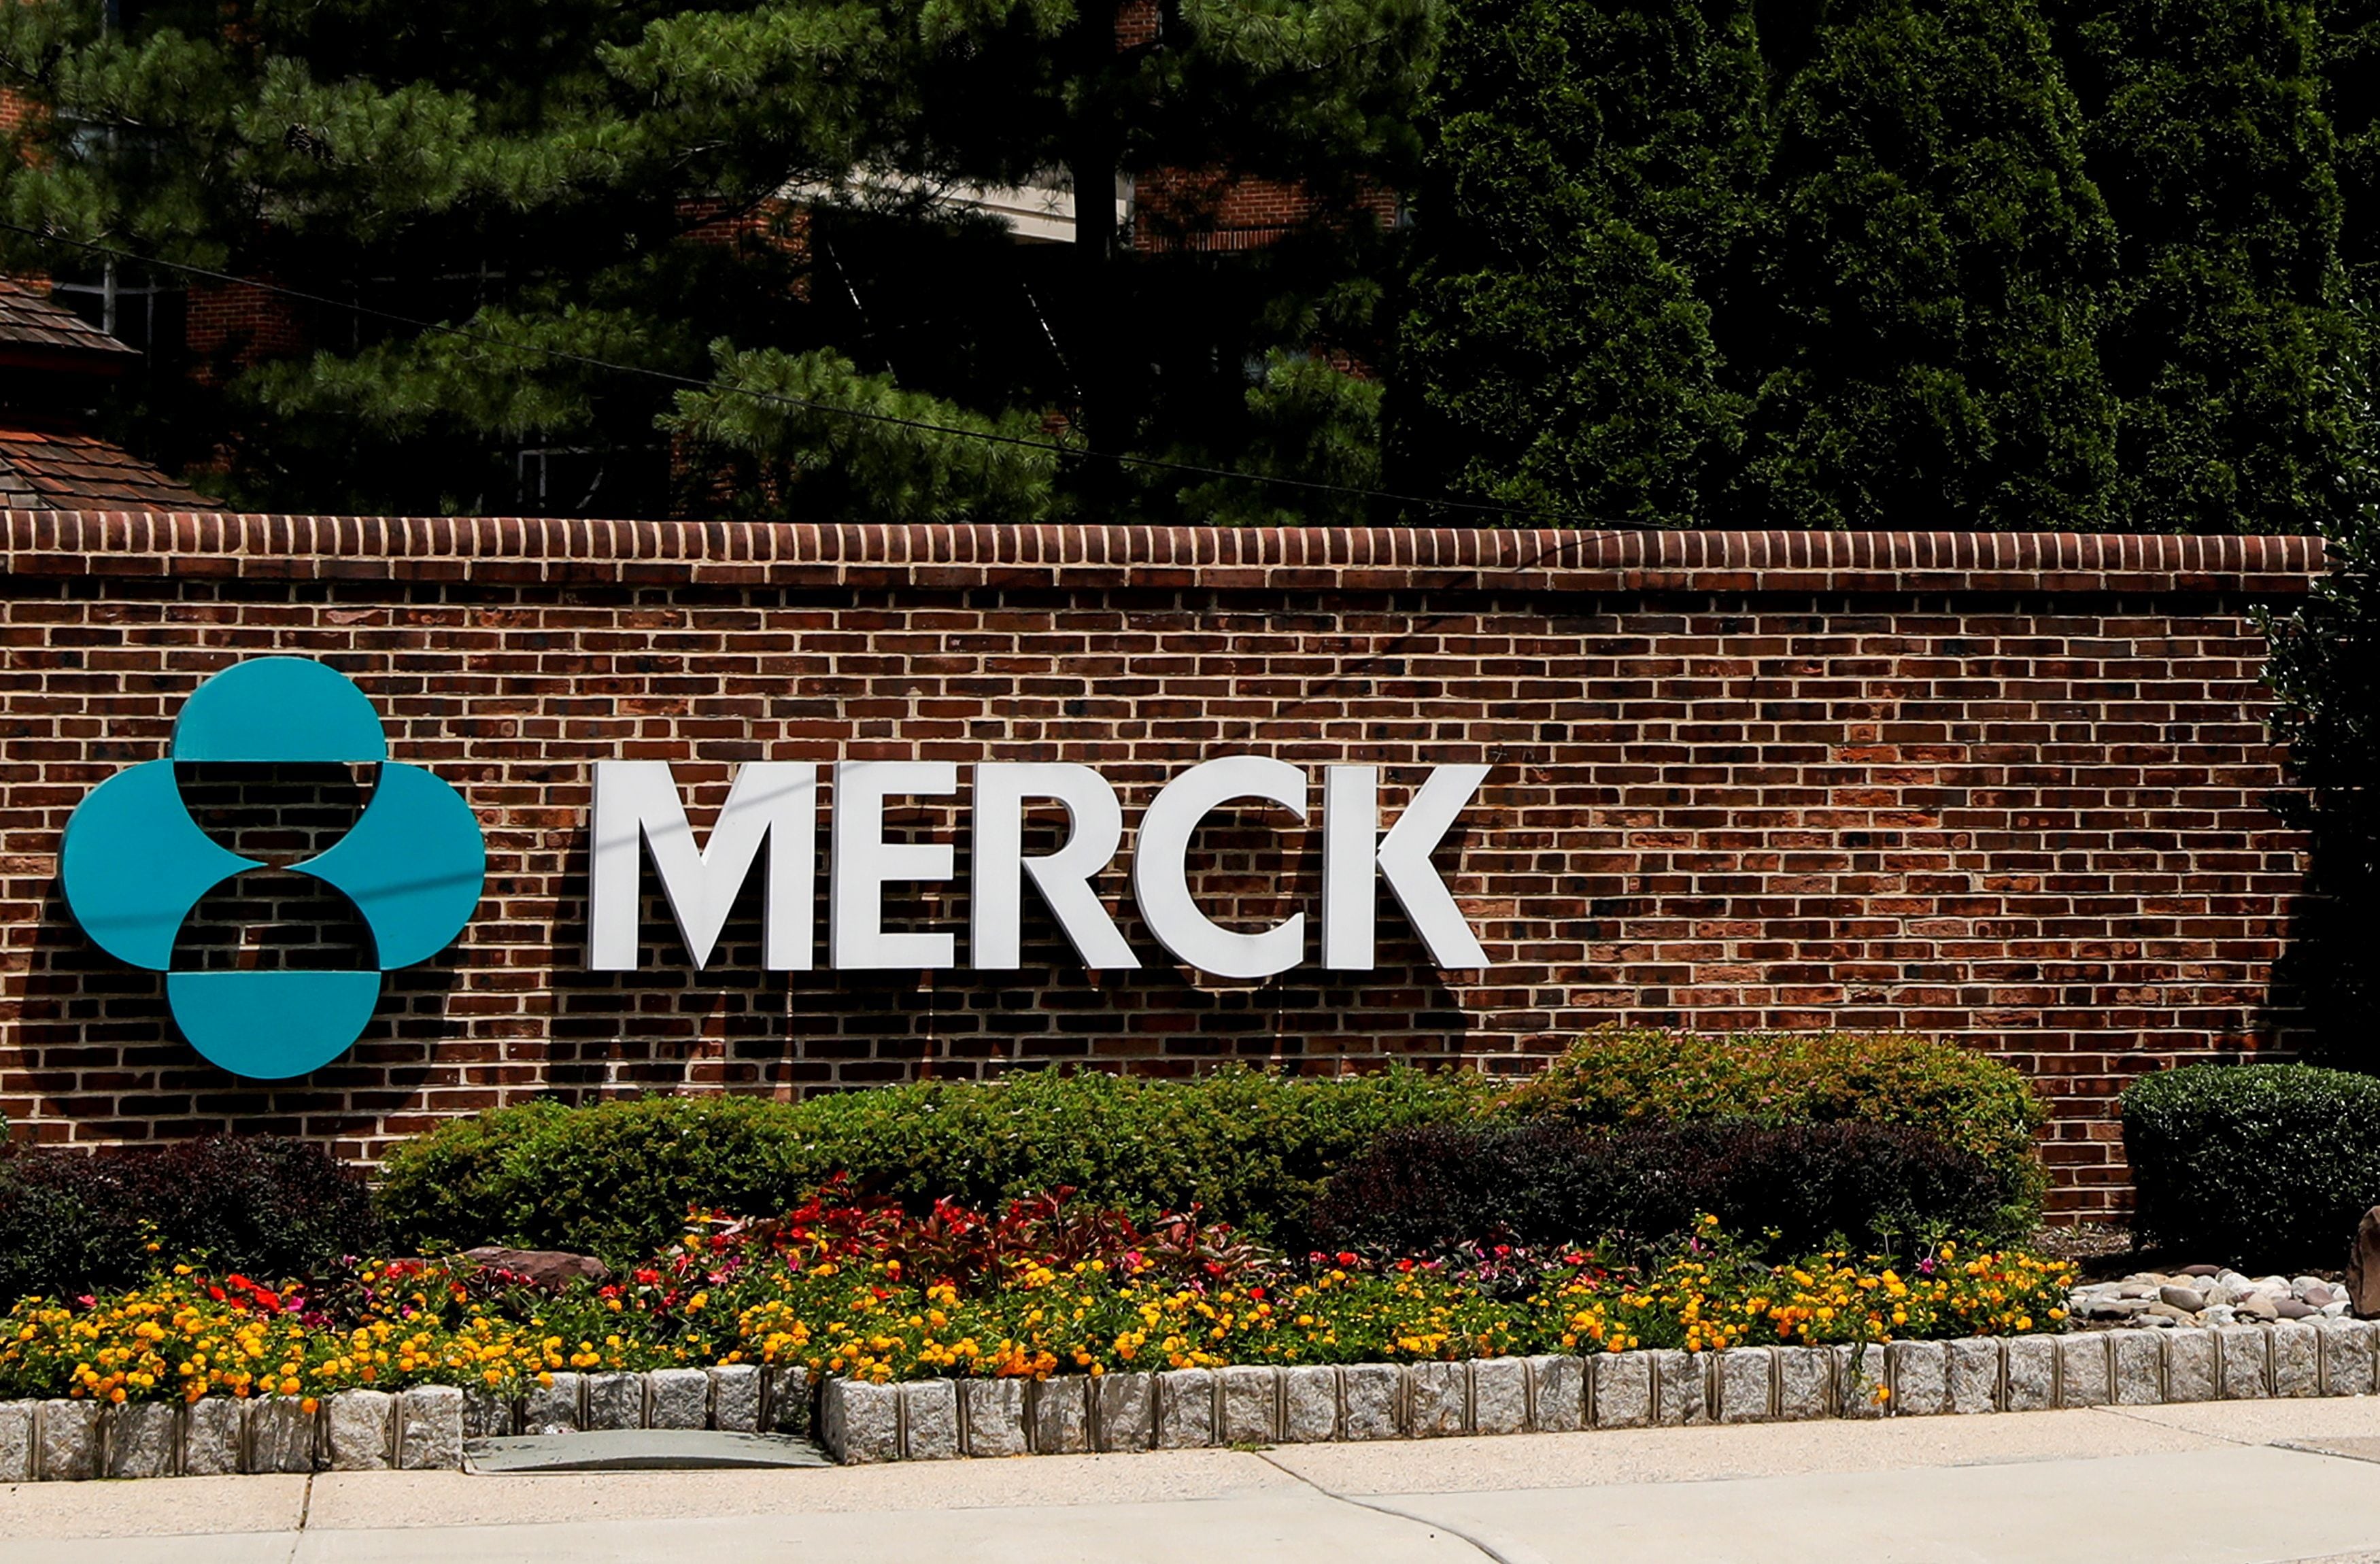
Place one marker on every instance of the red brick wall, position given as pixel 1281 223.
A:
pixel 2005 790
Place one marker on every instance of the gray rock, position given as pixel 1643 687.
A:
pixel 735 1398
pixel 487 1415
pixel 1060 1411
pixel 1974 1374
pixel 1623 1390
pixel 2164 1314
pixel 550 1408
pixel 2188 1300
pixel 859 1423
pixel 2242 1356
pixel 2289 1308
pixel 429 1429
pixel 1746 1382
pixel 280 1435
pixel 2082 1371
pixel 2200 1270
pixel 1186 1409
pixel 2114 1308
pixel 1124 1411
pixel 1859 1380
pixel 2140 1367
pixel 2297 1359
pixel 361 1427
pixel 786 1395
pixel 1309 1404
pixel 211 1427
pixel 2218 1314
pixel 1371 1393
pixel 930 1420
pixel 67 1448
pixel 1680 1387
pixel 2318 1293
pixel 994 1413
pixel 1557 1393
pixel 1920 1374
pixel 1805 1383
pixel 1251 1400
pixel 2347 1357
pixel 2190 1366
pixel 139 1439
pixel 1500 1396
pixel 677 1398
pixel 1439 1393
pixel 615 1401
pixel 550 1268
pixel 2032 1370
pixel 2218 1293
pixel 16 1442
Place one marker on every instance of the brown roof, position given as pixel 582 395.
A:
pixel 36 333
pixel 46 467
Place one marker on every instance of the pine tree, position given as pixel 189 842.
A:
pixel 2226 329
pixel 1588 174
pixel 739 200
pixel 1931 259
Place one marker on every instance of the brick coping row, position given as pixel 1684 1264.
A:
pixel 528 550
pixel 427 1427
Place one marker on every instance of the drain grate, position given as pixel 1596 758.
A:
pixel 639 1449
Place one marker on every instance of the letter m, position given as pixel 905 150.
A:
pixel 637 810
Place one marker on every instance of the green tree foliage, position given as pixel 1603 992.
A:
pixel 723 195
pixel 2324 652
pixel 1588 180
pixel 1894 262
pixel 2226 322
pixel 1931 253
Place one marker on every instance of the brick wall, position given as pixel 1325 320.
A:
pixel 2009 790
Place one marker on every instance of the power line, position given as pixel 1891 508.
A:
pixel 923 426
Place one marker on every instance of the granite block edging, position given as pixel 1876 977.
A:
pixel 420 1429
pixel 424 1428
pixel 1208 1408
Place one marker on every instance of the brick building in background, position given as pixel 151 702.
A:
pixel 53 367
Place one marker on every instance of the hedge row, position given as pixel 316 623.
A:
pixel 2253 1165
pixel 1248 1148
pixel 73 1224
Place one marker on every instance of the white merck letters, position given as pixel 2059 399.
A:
pixel 637 809
pixel 773 805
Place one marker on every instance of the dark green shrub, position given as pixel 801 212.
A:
pixel 1625 1075
pixel 73 1221
pixel 2253 1164
pixel 615 1179
pixel 1420 1191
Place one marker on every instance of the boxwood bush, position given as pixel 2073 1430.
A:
pixel 1793 1186
pixel 615 1179
pixel 73 1222
pixel 1618 1075
pixel 2253 1164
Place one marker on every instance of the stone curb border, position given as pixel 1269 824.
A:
pixel 1192 1409
pixel 424 1428
pixel 526 550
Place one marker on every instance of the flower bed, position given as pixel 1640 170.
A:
pixel 1046 1288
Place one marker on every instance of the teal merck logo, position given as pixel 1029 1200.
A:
pixel 135 865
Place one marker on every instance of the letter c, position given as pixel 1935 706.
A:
pixel 1160 874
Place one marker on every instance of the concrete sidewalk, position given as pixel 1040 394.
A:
pixel 2224 1482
